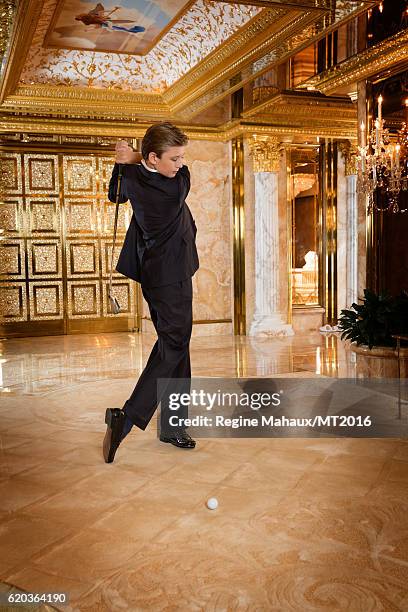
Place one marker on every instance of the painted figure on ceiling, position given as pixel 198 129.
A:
pixel 102 19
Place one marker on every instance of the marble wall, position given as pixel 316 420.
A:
pixel 284 238
pixel 210 202
pixel 342 195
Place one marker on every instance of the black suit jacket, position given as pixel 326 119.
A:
pixel 159 246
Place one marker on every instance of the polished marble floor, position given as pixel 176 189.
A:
pixel 303 524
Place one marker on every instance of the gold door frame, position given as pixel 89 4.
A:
pixel 238 210
pixel 328 160
pixel 56 254
pixel 327 228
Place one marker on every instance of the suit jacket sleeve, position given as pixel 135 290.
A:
pixel 113 185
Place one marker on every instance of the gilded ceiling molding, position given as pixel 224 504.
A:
pixel 305 4
pixel 289 133
pixel 212 96
pixel 384 55
pixel 10 124
pixel 45 125
pixel 306 30
pixel 307 114
pixel 303 105
pixel 84 102
pixel 349 153
pixel 319 126
pixel 25 19
pixel 264 33
pixel 286 4
pixel 85 94
pixel 211 64
pixel 265 153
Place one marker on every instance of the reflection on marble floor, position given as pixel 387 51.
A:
pixel 302 524
pixel 37 366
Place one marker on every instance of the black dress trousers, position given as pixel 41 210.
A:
pixel 171 313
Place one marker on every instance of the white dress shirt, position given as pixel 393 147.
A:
pixel 147 167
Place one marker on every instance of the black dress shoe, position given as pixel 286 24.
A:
pixel 179 438
pixel 114 419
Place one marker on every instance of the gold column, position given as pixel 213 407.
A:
pixel 239 235
pixel 328 173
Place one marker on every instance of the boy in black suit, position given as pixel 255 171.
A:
pixel 159 251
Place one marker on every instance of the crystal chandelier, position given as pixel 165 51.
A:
pixel 383 164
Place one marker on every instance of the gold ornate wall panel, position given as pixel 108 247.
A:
pixel 80 217
pixel 41 174
pixel 11 215
pixel 10 174
pixel 13 302
pixel 46 300
pixel 83 299
pixel 12 259
pixel 43 216
pixel 56 227
pixel 79 175
pixel 44 258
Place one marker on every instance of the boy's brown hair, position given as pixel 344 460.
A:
pixel 161 136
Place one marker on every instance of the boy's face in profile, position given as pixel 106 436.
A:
pixel 169 163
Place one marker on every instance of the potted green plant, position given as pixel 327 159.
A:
pixel 370 327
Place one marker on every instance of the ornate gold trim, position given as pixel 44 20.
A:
pixel 309 5
pixel 285 48
pixel 301 114
pixel 11 124
pixel 303 4
pixel 106 103
pixel 287 130
pixel 390 52
pixel 40 125
pixel 240 47
pixel 224 133
pixel 303 105
pixel 265 153
pixel 87 95
pixel 349 153
pixel 25 23
pixel 209 80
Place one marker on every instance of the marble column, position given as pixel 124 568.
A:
pixel 267 319
pixel 352 284
pixel 351 252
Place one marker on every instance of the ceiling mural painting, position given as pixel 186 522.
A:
pixel 202 28
pixel 127 26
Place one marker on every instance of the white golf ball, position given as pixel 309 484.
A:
pixel 212 503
